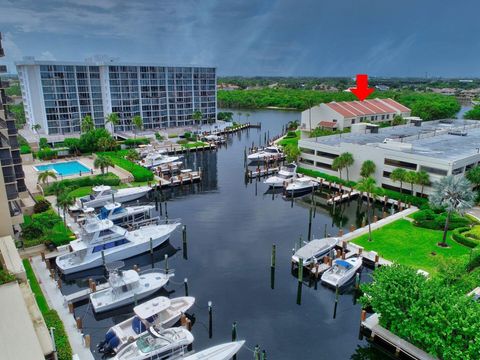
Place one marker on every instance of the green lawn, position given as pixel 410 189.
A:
pixel 292 140
pixel 195 144
pixel 406 244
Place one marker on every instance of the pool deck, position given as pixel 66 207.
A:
pixel 31 174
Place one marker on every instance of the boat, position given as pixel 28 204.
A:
pixel 103 194
pixel 121 215
pixel 101 242
pixel 300 186
pixel 126 287
pixel 341 271
pixel 214 138
pixel 144 150
pixel 160 311
pixel 315 250
pixel 220 352
pixel 286 175
pixel 158 343
pixel 267 153
pixel 155 158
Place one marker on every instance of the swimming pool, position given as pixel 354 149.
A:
pixel 65 168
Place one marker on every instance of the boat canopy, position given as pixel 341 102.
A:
pixel 315 247
pixel 343 263
pixel 152 307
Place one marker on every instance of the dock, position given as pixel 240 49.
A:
pixel 371 328
pixel 261 172
pixel 180 179
pixel 342 197
pixel 84 293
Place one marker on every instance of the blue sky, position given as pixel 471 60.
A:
pixel 254 37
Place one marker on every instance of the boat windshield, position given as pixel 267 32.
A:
pixel 148 344
pixel 270 150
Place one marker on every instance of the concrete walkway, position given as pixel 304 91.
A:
pixel 475 212
pixel 56 301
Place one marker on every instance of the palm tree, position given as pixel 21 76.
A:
pixel 347 161
pixel 338 165
pixel 137 123
pixel 422 179
pixel 111 143
pixel 132 155
pixel 103 143
pixel 44 175
pixel 87 124
pixel 368 169
pixel 103 162
pixel 411 178
pixel 398 175
pixel 112 119
pixel 197 117
pixel 36 127
pixel 368 186
pixel 455 195
pixel 65 201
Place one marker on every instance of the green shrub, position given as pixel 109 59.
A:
pixel 43 143
pixel 88 142
pixel 44 228
pixel 35 286
pixel 290 134
pixel 46 154
pixel 159 137
pixel 6 277
pixel 106 179
pixel 474 232
pixel 183 141
pixel 41 206
pixel 430 219
pixel 327 177
pixel 139 173
pixel 459 235
pixel 172 136
pixel 136 142
pixel 187 135
pixel 25 149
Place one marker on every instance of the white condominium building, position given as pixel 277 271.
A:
pixel 57 95
pixel 341 115
pixel 440 148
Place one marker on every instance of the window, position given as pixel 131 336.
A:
pixel 327 155
pixel 457 171
pixel 323 165
pixel 307 151
pixel 307 161
pixel 386 174
pixel 402 164
pixel 435 171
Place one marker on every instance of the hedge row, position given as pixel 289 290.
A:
pixel 139 173
pixel 458 236
pixel 405 198
pixel 64 350
pixel 136 142
pixel 107 179
pixel 436 220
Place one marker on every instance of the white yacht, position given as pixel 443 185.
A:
pixel 160 311
pixel 121 215
pixel 144 150
pixel 101 242
pixel 341 271
pixel 315 250
pixel 155 158
pixel 286 175
pixel 268 153
pixel 220 352
pixel 158 343
pixel 127 287
pixel 300 186
pixel 103 194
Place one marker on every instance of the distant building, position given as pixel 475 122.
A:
pixel 57 95
pixel 382 87
pixel 341 115
pixel 445 147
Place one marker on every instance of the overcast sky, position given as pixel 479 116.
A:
pixel 254 37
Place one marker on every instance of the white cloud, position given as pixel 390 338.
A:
pixel 47 55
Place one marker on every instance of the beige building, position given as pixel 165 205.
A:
pixel 343 114
pixel 440 148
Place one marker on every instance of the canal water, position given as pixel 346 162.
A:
pixel 231 227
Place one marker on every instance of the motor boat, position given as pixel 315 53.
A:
pixel 121 215
pixel 214 138
pixel 160 311
pixel 158 343
pixel 126 287
pixel 315 250
pixel 220 352
pixel 267 153
pixel 155 158
pixel 103 194
pixel 341 271
pixel 144 150
pixel 101 242
pixel 286 175
pixel 301 186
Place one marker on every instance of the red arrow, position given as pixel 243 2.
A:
pixel 362 90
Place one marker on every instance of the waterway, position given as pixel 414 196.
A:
pixel 231 227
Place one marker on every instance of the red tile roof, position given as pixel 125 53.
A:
pixel 395 105
pixel 383 106
pixel 341 110
pixel 352 108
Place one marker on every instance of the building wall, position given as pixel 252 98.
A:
pixel 162 96
pixel 385 159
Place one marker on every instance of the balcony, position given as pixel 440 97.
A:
pixel 11 190
pixel 3 69
pixel 21 186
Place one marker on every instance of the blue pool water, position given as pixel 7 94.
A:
pixel 65 168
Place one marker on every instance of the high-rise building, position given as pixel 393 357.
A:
pixel 57 95
pixel 12 179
